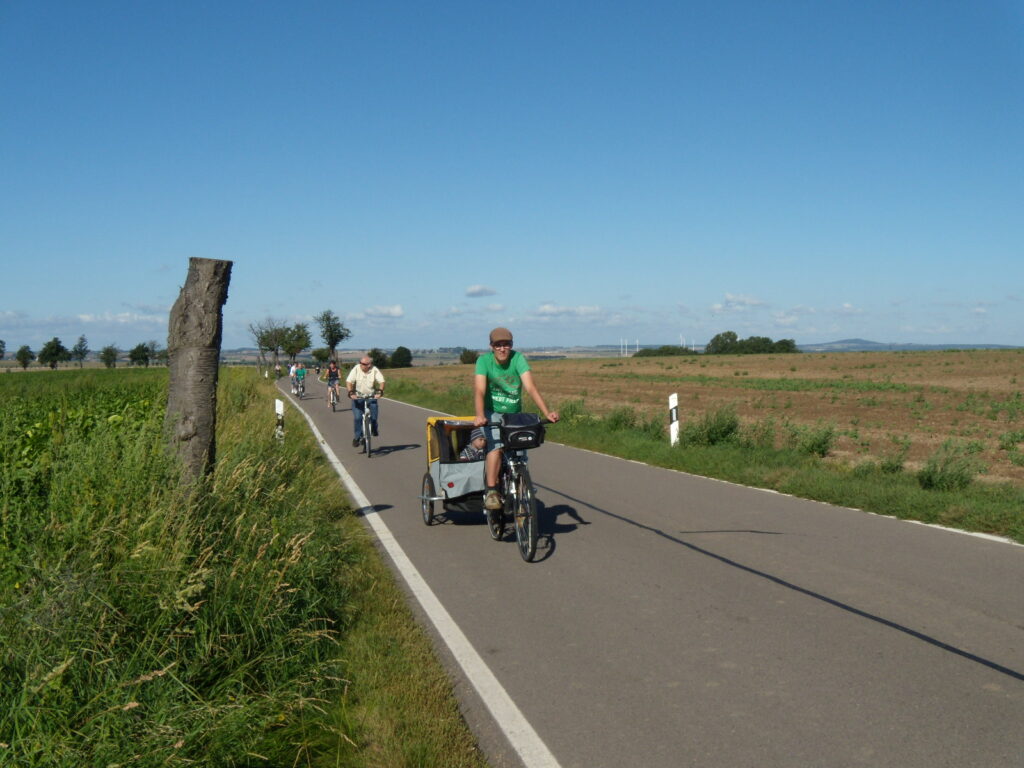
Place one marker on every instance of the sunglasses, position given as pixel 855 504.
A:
pixel 501 344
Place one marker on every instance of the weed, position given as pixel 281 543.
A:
pixel 712 428
pixel 951 468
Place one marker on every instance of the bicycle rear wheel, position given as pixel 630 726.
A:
pixel 366 429
pixel 525 516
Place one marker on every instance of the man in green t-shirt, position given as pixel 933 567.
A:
pixel 499 381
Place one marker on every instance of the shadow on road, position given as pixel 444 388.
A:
pixel 797 588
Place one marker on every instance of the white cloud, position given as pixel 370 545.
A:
pixel 120 318
pixel 735 302
pixel 393 311
pixel 552 310
pixel 476 291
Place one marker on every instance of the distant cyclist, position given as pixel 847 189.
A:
pixel 499 381
pixel 300 376
pixel 364 380
pixel 333 376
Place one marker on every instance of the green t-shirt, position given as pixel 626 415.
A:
pixel 504 392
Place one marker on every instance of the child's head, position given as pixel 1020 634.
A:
pixel 477 438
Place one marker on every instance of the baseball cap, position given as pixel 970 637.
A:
pixel 501 334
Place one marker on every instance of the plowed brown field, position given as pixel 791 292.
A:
pixel 973 397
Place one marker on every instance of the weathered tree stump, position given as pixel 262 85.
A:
pixel 193 357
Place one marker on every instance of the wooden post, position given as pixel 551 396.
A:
pixel 193 357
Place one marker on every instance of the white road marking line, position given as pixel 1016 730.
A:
pixel 520 734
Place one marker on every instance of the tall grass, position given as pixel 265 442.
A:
pixel 141 627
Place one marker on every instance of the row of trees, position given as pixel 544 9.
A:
pixel 275 338
pixel 54 352
pixel 728 343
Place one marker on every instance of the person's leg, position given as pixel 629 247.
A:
pixel 357 420
pixel 491 466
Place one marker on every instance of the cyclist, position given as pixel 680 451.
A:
pixel 291 377
pixel 499 381
pixel 333 376
pixel 364 380
pixel 300 377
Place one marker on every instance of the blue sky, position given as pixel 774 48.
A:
pixel 582 172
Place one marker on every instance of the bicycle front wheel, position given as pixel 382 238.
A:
pixel 366 429
pixel 525 516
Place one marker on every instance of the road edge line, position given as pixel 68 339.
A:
pixel 525 741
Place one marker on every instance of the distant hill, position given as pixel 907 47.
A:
pixel 863 345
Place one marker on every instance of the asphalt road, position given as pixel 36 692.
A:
pixel 671 620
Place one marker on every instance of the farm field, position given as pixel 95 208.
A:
pixel 878 402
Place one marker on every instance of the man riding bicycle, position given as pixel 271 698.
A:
pixel 499 381
pixel 364 380
pixel 333 376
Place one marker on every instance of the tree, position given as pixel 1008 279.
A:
pixel 80 351
pixel 54 352
pixel 726 343
pixel 321 355
pixel 401 358
pixel 269 336
pixel 379 357
pixel 3 349
pixel 194 332
pixel 722 344
pixel 332 330
pixel 468 356
pixel 295 340
pixel 108 356
pixel 24 356
pixel 139 354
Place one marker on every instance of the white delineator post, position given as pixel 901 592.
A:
pixel 673 419
pixel 279 410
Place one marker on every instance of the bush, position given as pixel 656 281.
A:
pixel 892 463
pixel 951 468
pixel 621 418
pixel 817 440
pixel 761 434
pixel 713 428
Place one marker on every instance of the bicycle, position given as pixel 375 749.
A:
pixel 519 432
pixel 300 388
pixel 367 421
pixel 332 395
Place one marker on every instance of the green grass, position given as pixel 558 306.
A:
pixel 249 625
pixel 748 456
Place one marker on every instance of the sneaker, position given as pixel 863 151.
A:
pixel 374 432
pixel 355 442
pixel 492 500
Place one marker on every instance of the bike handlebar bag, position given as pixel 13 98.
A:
pixel 521 430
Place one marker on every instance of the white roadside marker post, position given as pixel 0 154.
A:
pixel 673 419
pixel 279 410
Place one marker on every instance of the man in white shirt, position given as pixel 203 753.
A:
pixel 364 380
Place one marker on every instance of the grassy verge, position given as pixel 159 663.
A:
pixel 749 458
pixel 252 625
